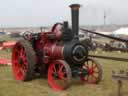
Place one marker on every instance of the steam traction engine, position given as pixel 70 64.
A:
pixel 59 54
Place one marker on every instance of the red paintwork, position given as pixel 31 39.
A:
pixel 93 71
pixel 19 55
pixel 7 44
pixel 56 29
pixel 50 47
pixel 4 61
pixel 57 83
pixel 46 44
pixel 52 51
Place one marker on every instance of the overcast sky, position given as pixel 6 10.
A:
pixel 16 13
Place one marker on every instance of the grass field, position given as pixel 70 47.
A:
pixel 39 87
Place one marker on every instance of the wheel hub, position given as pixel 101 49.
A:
pixel 21 61
pixel 91 71
pixel 56 75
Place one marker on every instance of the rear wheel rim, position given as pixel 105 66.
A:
pixel 94 72
pixel 59 75
pixel 19 62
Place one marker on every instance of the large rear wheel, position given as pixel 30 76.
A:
pixel 23 60
pixel 59 75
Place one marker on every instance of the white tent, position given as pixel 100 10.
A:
pixel 121 31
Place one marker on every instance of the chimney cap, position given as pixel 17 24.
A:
pixel 75 6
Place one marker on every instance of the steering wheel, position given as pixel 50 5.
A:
pixel 28 35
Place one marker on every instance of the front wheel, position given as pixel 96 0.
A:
pixel 94 71
pixel 59 75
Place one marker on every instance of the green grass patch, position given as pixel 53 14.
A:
pixel 39 87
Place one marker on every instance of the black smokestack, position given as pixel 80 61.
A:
pixel 75 19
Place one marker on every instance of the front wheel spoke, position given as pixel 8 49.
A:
pixel 94 66
pixel 86 66
pixel 94 77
